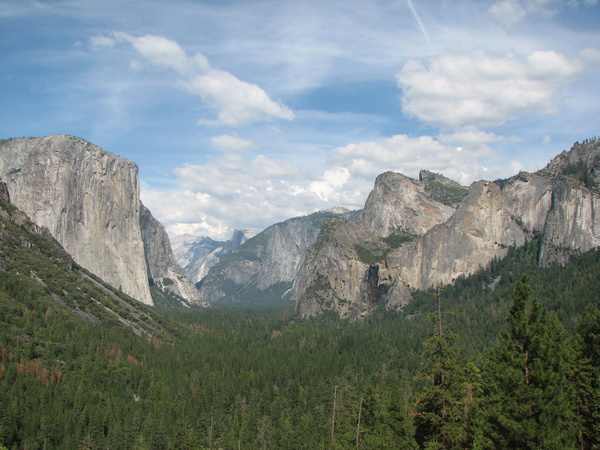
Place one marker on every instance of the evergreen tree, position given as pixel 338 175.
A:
pixel 587 378
pixel 528 396
pixel 440 404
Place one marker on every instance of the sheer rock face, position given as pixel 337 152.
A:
pixel 490 218
pixel 399 203
pixel 163 269
pixel 272 257
pixel 89 201
pixel 336 277
pixel 197 255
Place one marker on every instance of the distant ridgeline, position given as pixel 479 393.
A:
pixel 412 235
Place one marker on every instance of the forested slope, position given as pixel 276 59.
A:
pixel 80 369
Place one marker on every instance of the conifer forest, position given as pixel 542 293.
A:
pixel 506 358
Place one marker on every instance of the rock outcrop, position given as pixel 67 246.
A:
pixel 342 270
pixel 335 274
pixel 196 255
pixel 267 265
pixel 353 268
pixel 400 204
pixel 163 269
pixel 89 201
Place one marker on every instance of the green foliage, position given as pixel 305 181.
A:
pixel 443 404
pixel 581 173
pixel 370 253
pixel 82 365
pixel 374 252
pixel 587 377
pixel 396 240
pixel 528 400
pixel 447 194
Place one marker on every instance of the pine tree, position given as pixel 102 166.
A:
pixel 528 397
pixel 440 404
pixel 587 378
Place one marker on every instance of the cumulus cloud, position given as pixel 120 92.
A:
pixel 236 101
pixel 458 156
pixel 453 90
pixel 211 199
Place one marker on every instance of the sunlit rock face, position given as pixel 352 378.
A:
pixel 196 255
pixel 89 201
pixel 268 262
pixel 399 203
pixel 355 266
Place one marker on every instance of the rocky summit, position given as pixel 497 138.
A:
pixel 422 234
pixel 89 200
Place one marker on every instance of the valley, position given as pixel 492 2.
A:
pixel 84 365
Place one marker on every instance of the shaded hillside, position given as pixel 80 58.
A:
pixel 37 275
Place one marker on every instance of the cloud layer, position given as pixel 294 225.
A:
pixel 236 101
pixel 241 114
pixel 241 188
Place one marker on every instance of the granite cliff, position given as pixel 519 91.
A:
pixel 406 240
pixel 89 201
pixel 197 255
pixel 265 267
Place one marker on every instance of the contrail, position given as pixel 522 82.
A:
pixel 421 26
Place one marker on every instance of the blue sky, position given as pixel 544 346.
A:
pixel 240 114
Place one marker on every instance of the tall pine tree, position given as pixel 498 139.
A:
pixel 440 416
pixel 587 378
pixel 528 397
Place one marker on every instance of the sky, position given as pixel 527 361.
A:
pixel 241 114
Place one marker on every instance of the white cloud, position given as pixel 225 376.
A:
pixel 233 190
pixel 590 55
pixel 102 42
pixel 453 90
pixel 226 143
pixel 163 52
pixel 331 183
pixel 508 12
pixel 408 155
pixel 237 101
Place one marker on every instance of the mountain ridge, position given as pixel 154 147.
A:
pixel 555 203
